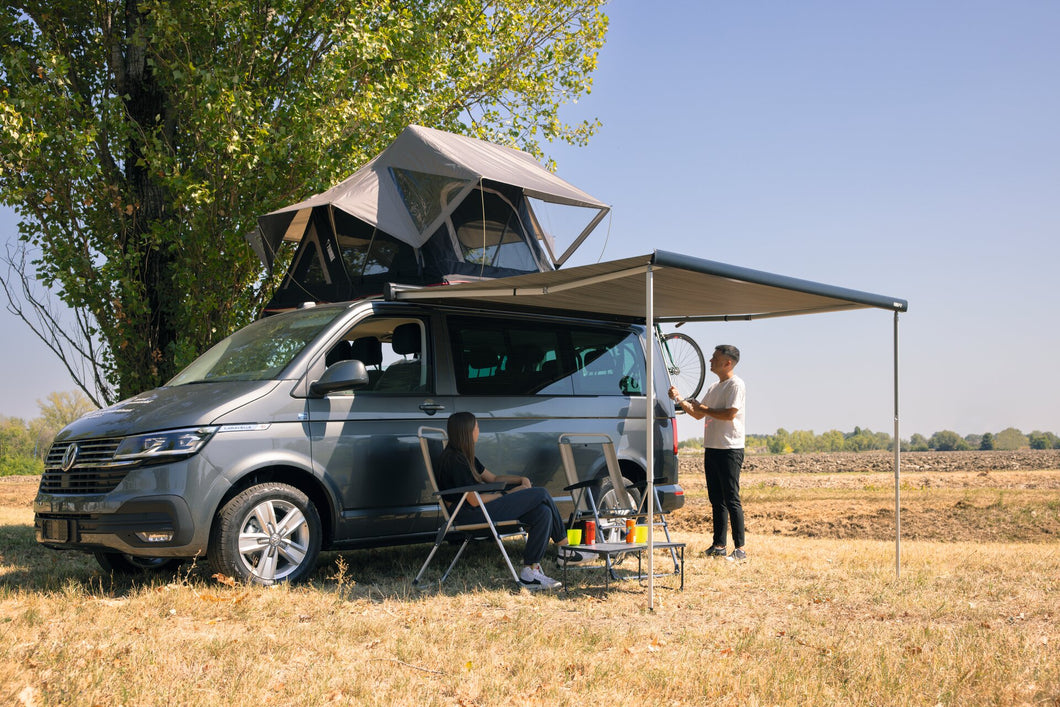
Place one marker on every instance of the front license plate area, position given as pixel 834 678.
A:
pixel 55 531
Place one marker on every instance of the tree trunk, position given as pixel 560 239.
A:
pixel 149 332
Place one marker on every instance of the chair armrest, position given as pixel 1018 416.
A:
pixel 481 488
pixel 580 485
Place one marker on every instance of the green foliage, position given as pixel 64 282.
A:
pixel 140 139
pixel 1010 439
pixel 1043 440
pixel 21 450
pixel 20 466
pixel 864 440
pixel 60 409
pixel 23 446
pixel 803 441
pixel 918 443
pixel 947 441
pixel 778 443
pixel 16 438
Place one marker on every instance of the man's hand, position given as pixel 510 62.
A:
pixel 673 393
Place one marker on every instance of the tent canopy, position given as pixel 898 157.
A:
pixel 685 289
pixel 408 190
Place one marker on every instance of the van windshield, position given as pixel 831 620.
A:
pixel 260 351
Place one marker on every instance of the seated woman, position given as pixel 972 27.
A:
pixel 533 506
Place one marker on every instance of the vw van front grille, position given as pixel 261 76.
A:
pixel 93 469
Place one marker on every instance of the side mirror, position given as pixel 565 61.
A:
pixel 339 376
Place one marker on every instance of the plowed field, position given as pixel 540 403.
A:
pixel 944 496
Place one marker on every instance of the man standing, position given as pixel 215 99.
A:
pixel 723 445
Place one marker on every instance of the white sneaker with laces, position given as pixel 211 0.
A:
pixel 533 578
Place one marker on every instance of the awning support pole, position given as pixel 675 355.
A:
pixel 897 465
pixel 649 430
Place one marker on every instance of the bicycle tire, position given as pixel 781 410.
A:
pixel 685 363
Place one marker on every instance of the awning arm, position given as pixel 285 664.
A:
pixel 583 235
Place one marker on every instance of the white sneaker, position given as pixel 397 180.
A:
pixel 565 557
pixel 534 578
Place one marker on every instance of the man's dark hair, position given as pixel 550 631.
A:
pixel 730 351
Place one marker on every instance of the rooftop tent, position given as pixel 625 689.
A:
pixel 432 208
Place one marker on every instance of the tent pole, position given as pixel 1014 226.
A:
pixel 649 430
pixel 897 465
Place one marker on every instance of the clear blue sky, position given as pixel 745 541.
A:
pixel 909 149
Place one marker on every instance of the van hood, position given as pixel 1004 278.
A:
pixel 167 408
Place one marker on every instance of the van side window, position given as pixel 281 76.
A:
pixel 496 357
pixel 610 362
pixel 392 350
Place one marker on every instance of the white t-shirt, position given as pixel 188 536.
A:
pixel 725 434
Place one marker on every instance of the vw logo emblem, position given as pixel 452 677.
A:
pixel 70 456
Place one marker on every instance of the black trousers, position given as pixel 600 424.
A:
pixel 534 508
pixel 722 468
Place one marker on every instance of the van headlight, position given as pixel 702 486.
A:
pixel 164 446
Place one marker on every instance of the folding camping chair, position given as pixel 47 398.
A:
pixel 468 531
pixel 608 508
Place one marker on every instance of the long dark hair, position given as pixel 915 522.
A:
pixel 461 430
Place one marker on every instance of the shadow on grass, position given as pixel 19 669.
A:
pixel 378 574
pixel 386 573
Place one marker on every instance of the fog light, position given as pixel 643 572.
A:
pixel 155 536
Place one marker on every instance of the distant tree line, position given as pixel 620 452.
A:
pixel 24 445
pixel 862 440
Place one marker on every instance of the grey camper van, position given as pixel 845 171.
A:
pixel 298 433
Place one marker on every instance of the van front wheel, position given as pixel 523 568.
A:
pixel 267 534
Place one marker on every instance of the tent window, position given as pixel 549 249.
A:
pixel 490 233
pixel 426 196
pixel 363 256
pixel 308 268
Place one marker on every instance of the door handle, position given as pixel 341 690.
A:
pixel 430 407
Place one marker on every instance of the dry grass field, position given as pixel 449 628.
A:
pixel 816 615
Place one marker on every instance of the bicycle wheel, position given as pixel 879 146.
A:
pixel 684 363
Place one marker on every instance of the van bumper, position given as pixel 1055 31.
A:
pixel 161 525
pixel 671 497
pixel 147 513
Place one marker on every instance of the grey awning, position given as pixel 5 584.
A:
pixel 685 289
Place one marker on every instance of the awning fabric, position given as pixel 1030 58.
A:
pixel 685 289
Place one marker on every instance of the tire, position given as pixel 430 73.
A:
pixel 267 534
pixel 125 565
pixel 613 530
pixel 685 364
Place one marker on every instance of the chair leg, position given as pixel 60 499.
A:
pixel 425 564
pixel 438 539
pixel 459 552
pixel 500 545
